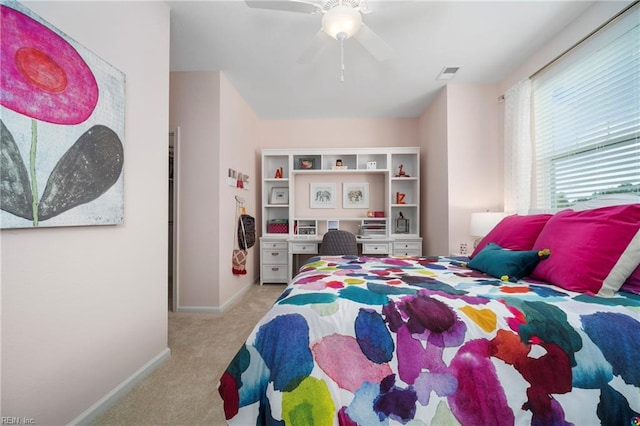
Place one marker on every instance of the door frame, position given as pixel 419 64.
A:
pixel 174 136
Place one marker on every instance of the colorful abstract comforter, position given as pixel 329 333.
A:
pixel 426 341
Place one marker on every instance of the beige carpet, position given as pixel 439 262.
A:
pixel 182 391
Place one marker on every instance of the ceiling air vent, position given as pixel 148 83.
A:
pixel 447 73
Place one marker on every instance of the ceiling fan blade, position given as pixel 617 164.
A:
pixel 287 5
pixel 373 43
pixel 316 46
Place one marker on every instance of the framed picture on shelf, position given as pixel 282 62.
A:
pixel 306 163
pixel 355 195
pixel 322 195
pixel 279 196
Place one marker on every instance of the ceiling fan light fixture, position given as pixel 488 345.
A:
pixel 341 22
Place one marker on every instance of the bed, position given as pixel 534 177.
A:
pixel 540 326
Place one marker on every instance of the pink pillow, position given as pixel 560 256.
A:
pixel 592 251
pixel 515 232
pixel 632 284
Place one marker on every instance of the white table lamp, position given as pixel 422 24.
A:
pixel 482 223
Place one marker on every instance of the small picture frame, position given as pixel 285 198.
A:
pixel 279 196
pixel 355 195
pixel 333 225
pixel 371 165
pixel 322 195
pixel 306 163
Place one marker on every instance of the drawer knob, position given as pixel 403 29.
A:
pixel 274 269
pixel 274 254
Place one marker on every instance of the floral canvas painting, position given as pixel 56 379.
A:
pixel 61 128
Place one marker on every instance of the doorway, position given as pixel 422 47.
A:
pixel 173 220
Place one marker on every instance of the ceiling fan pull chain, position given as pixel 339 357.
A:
pixel 342 60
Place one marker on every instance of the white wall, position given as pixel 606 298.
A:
pixel 591 19
pixel 84 308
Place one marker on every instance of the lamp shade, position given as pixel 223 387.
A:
pixel 482 223
pixel 341 22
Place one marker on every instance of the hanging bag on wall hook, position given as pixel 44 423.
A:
pixel 239 256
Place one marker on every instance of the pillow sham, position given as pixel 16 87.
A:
pixel 632 284
pixel 508 265
pixel 514 232
pixel 594 251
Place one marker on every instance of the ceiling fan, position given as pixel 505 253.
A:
pixel 341 19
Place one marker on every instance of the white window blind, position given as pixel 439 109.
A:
pixel 586 111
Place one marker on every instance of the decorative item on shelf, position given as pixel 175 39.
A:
pixel 401 172
pixel 278 226
pixel 482 223
pixel 279 196
pixel 371 165
pixel 240 181
pixel 400 198
pixel 378 213
pixel 278 173
pixel 339 165
pixel 370 213
pixel 402 224
pixel 306 163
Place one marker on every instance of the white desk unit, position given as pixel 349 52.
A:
pixel 293 222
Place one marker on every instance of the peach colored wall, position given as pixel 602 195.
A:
pixel 435 177
pixel 462 164
pixel 475 158
pixel 238 128
pixel 84 308
pixel 217 131
pixel 376 196
pixel 195 110
pixel 338 133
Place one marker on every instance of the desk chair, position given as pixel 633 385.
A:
pixel 338 243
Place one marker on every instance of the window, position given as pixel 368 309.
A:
pixel 586 112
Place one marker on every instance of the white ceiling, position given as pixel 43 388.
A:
pixel 258 51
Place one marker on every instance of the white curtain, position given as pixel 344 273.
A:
pixel 517 148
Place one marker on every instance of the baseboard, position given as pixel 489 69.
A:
pixel 107 401
pixel 218 309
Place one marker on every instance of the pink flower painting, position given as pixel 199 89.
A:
pixel 48 89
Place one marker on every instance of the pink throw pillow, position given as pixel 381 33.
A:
pixel 592 251
pixel 632 284
pixel 515 232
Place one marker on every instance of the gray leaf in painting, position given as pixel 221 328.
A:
pixel 86 171
pixel 15 189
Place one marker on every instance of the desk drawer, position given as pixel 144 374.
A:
pixel 412 253
pixel 406 245
pixel 277 245
pixel 274 273
pixel 375 248
pixel 298 248
pixel 274 257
